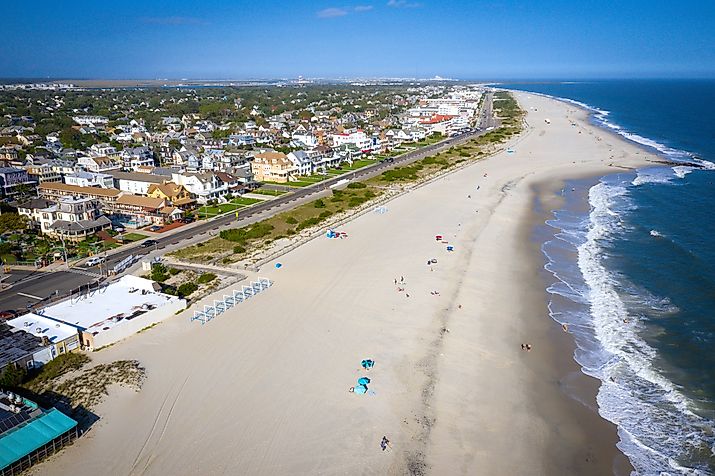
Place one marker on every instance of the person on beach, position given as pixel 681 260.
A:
pixel 384 443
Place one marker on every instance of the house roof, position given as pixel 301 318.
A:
pixel 64 225
pixel 270 155
pixel 42 326
pixel 104 192
pixel 169 189
pixel 136 176
pixel 139 201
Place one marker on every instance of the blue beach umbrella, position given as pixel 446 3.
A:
pixel 278 265
pixel 360 389
pixel 363 381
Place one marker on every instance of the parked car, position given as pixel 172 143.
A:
pixel 119 229
pixel 149 243
pixel 94 261
pixel 155 228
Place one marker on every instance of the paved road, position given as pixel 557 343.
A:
pixel 45 286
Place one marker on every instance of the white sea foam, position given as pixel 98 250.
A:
pixel 682 170
pixel 656 233
pixel 634 395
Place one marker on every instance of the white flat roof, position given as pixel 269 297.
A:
pixel 110 305
pixel 41 326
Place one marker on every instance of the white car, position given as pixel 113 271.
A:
pixel 94 261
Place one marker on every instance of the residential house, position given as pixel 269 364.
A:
pixel 134 211
pixel 202 186
pixel 135 182
pixel 91 120
pixel 104 150
pixel 43 173
pixel 98 164
pixel 13 180
pixel 71 218
pixel 135 157
pixel 272 167
pixel 89 179
pixel 175 194
pixel 301 161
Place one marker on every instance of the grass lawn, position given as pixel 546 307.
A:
pixel 131 237
pixel 245 201
pixel 265 191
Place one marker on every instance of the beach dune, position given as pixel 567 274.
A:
pixel 263 389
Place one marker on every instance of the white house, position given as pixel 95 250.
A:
pixel 89 179
pixel 301 161
pixel 97 164
pixel 137 183
pixel 202 186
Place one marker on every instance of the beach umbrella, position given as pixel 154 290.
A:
pixel 360 389
pixel 278 265
pixel 367 363
pixel 363 380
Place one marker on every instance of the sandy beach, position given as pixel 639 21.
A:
pixel 263 389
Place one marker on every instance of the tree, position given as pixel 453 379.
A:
pixel 12 222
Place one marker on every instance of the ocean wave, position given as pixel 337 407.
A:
pixel 657 424
pixel 656 233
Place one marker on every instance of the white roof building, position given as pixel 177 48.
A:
pixel 110 313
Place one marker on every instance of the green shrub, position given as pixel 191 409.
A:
pixel 291 220
pixel 205 278
pixel 12 376
pixel 319 203
pixel 238 249
pixel 174 271
pixel 251 232
pixel 356 185
pixel 325 214
pixel 159 273
pixel 186 289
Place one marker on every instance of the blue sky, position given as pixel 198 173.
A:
pixel 491 39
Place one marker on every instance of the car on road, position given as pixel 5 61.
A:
pixel 94 261
pixel 8 314
pixel 155 228
pixel 149 243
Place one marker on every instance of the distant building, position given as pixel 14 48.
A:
pixel 135 182
pixel 89 179
pixel 13 179
pixel 98 164
pixel 272 167
pixel 90 120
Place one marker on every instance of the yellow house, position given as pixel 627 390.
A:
pixel 272 167
pixel 173 193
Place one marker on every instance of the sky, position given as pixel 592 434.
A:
pixel 461 39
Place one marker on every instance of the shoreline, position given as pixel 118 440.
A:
pixel 451 388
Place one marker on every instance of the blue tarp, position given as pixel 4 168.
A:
pixel 26 438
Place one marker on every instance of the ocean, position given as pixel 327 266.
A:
pixel 634 271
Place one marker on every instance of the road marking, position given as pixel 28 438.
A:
pixel 30 296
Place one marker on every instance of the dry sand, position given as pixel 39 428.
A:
pixel 263 389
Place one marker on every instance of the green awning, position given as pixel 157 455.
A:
pixel 26 438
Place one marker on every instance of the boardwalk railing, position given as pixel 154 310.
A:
pixel 228 301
